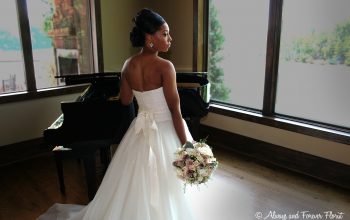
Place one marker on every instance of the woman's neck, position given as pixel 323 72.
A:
pixel 148 51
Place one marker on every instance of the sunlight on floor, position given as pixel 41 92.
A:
pixel 241 190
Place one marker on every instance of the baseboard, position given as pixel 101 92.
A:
pixel 323 169
pixel 25 150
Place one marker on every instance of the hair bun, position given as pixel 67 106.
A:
pixel 137 37
pixel 145 21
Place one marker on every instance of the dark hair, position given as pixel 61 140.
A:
pixel 145 21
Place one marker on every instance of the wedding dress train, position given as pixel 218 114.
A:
pixel 140 183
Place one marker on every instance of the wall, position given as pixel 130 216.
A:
pixel 179 16
pixel 26 120
pixel 117 23
pixel 295 141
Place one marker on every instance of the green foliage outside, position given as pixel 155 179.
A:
pixel 218 90
pixel 328 48
pixel 47 24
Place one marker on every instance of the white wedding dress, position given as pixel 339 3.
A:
pixel 140 183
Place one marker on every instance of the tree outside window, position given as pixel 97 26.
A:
pixel 218 90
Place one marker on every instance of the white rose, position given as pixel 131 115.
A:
pixel 205 150
pixel 191 151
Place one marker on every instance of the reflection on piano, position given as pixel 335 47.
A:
pixel 97 119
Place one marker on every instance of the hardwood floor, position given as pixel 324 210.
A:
pixel 243 189
pixel 30 187
pixel 239 189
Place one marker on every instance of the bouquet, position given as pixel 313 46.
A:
pixel 195 162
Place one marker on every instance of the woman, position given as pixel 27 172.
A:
pixel 140 183
pixel 147 71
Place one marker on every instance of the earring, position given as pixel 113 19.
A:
pixel 151 45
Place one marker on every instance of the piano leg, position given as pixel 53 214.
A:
pixel 105 157
pixel 59 166
pixel 86 151
pixel 90 174
pixel 88 155
pixel 193 124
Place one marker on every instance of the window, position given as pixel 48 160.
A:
pixel 302 82
pixel 314 63
pixel 237 49
pixel 60 37
pixel 12 74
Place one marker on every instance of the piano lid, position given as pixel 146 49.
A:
pixel 102 81
pixel 74 79
pixel 196 78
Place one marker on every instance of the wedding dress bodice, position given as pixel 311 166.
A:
pixel 152 104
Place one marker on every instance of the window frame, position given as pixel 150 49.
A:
pixel 24 28
pixel 267 116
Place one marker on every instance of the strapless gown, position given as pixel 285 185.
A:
pixel 140 182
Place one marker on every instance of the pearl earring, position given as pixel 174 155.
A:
pixel 151 45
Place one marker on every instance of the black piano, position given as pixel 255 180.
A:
pixel 97 119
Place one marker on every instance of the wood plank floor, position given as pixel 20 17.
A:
pixel 243 189
pixel 239 189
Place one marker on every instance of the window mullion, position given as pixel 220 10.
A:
pixel 96 24
pixel 26 44
pixel 195 36
pixel 206 35
pixel 272 56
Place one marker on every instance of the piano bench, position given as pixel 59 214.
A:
pixel 89 160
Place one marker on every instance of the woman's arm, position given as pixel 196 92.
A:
pixel 173 100
pixel 126 94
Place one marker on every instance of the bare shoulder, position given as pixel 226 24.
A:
pixel 131 61
pixel 166 63
pixel 167 67
pixel 130 64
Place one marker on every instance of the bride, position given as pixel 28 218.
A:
pixel 140 183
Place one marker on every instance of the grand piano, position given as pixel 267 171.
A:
pixel 97 119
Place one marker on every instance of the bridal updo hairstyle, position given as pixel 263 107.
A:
pixel 145 21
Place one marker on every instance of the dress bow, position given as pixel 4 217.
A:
pixel 146 124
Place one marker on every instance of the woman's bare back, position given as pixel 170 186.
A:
pixel 144 72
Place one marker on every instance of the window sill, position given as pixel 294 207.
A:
pixel 43 93
pixel 340 136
